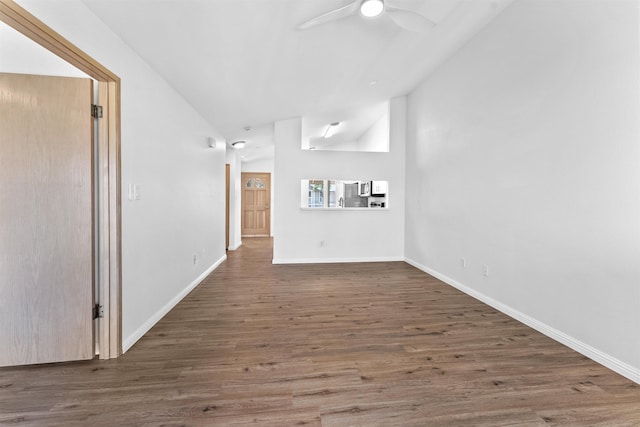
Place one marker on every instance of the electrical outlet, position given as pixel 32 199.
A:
pixel 485 270
pixel 463 263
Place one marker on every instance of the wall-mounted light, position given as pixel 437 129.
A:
pixel 331 130
pixel 211 142
pixel 238 144
pixel 371 8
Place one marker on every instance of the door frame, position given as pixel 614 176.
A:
pixel 227 196
pixel 109 253
pixel 242 178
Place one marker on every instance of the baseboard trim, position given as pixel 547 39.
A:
pixel 334 260
pixel 592 353
pixel 236 246
pixel 146 326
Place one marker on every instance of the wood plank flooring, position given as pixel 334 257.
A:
pixel 325 345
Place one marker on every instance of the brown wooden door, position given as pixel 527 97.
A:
pixel 46 230
pixel 256 200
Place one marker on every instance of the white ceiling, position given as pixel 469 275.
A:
pixel 353 124
pixel 243 62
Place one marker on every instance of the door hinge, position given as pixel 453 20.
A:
pixel 98 311
pixel 96 111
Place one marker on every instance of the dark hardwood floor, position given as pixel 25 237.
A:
pixel 325 345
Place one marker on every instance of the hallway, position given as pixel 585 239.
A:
pixel 325 345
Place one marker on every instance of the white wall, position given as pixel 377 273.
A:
pixel 376 138
pixel 164 150
pixel 347 235
pixel 259 165
pixel 19 54
pixel 523 155
pixel 235 203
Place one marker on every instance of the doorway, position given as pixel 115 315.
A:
pixel 46 206
pixel 108 251
pixel 256 204
pixel 227 197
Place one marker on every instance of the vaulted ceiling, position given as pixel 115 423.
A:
pixel 245 63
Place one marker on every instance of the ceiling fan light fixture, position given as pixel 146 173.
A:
pixel 371 8
pixel 331 130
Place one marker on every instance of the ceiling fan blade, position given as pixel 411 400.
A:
pixel 336 14
pixel 404 4
pixel 409 20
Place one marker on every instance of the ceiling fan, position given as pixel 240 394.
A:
pixel 402 16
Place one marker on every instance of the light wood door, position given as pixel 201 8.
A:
pixel 46 231
pixel 256 200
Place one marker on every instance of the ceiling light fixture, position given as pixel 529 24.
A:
pixel 371 8
pixel 239 144
pixel 211 142
pixel 331 130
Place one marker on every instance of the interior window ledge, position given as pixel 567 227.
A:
pixel 344 209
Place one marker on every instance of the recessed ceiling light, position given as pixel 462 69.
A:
pixel 371 8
